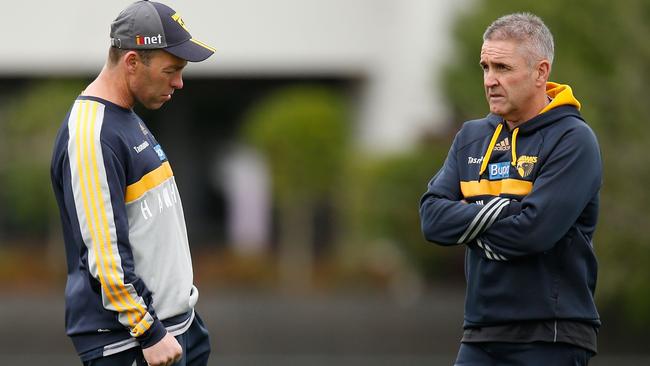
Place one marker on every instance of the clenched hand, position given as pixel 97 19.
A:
pixel 164 353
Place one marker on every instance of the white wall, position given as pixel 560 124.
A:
pixel 396 46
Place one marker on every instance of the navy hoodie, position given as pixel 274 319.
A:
pixel 525 205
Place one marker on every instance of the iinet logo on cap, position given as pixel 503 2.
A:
pixel 140 40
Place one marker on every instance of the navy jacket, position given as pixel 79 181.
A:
pixel 529 213
pixel 130 275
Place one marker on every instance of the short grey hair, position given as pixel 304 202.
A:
pixel 115 54
pixel 527 28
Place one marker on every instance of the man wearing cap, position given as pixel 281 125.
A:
pixel 129 295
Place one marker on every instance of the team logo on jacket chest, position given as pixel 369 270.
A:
pixel 525 165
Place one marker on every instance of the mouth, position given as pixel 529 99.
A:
pixel 495 96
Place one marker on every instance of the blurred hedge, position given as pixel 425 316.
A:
pixel 303 132
pixel 602 51
pixel 383 200
pixel 30 122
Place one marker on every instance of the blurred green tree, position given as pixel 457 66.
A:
pixel 602 51
pixel 28 129
pixel 303 132
pixel 383 199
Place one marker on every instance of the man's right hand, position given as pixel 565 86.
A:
pixel 164 353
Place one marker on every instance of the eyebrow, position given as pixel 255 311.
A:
pixel 174 67
pixel 495 63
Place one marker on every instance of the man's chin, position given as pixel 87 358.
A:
pixel 499 109
pixel 496 110
pixel 153 106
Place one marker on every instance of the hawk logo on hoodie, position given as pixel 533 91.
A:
pixel 525 165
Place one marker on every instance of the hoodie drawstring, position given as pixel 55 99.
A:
pixel 488 153
pixel 493 141
pixel 514 146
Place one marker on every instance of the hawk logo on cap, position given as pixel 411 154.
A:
pixel 177 18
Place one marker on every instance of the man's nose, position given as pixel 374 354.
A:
pixel 489 80
pixel 177 82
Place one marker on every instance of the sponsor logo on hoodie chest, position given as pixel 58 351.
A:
pixel 499 170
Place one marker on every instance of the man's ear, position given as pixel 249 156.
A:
pixel 131 61
pixel 543 72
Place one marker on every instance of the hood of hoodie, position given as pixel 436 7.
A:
pixel 561 94
pixel 563 104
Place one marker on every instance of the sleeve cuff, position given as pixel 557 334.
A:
pixel 153 335
pixel 486 251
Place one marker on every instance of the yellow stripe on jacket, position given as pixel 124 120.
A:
pixel 148 181
pixel 81 140
pixel 121 289
pixel 103 247
pixel 496 187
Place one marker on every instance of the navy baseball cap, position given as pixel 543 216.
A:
pixel 148 25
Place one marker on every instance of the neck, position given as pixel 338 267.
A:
pixel 111 85
pixel 540 101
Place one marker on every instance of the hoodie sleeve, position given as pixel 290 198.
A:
pixel 445 218
pixel 97 185
pixel 566 183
